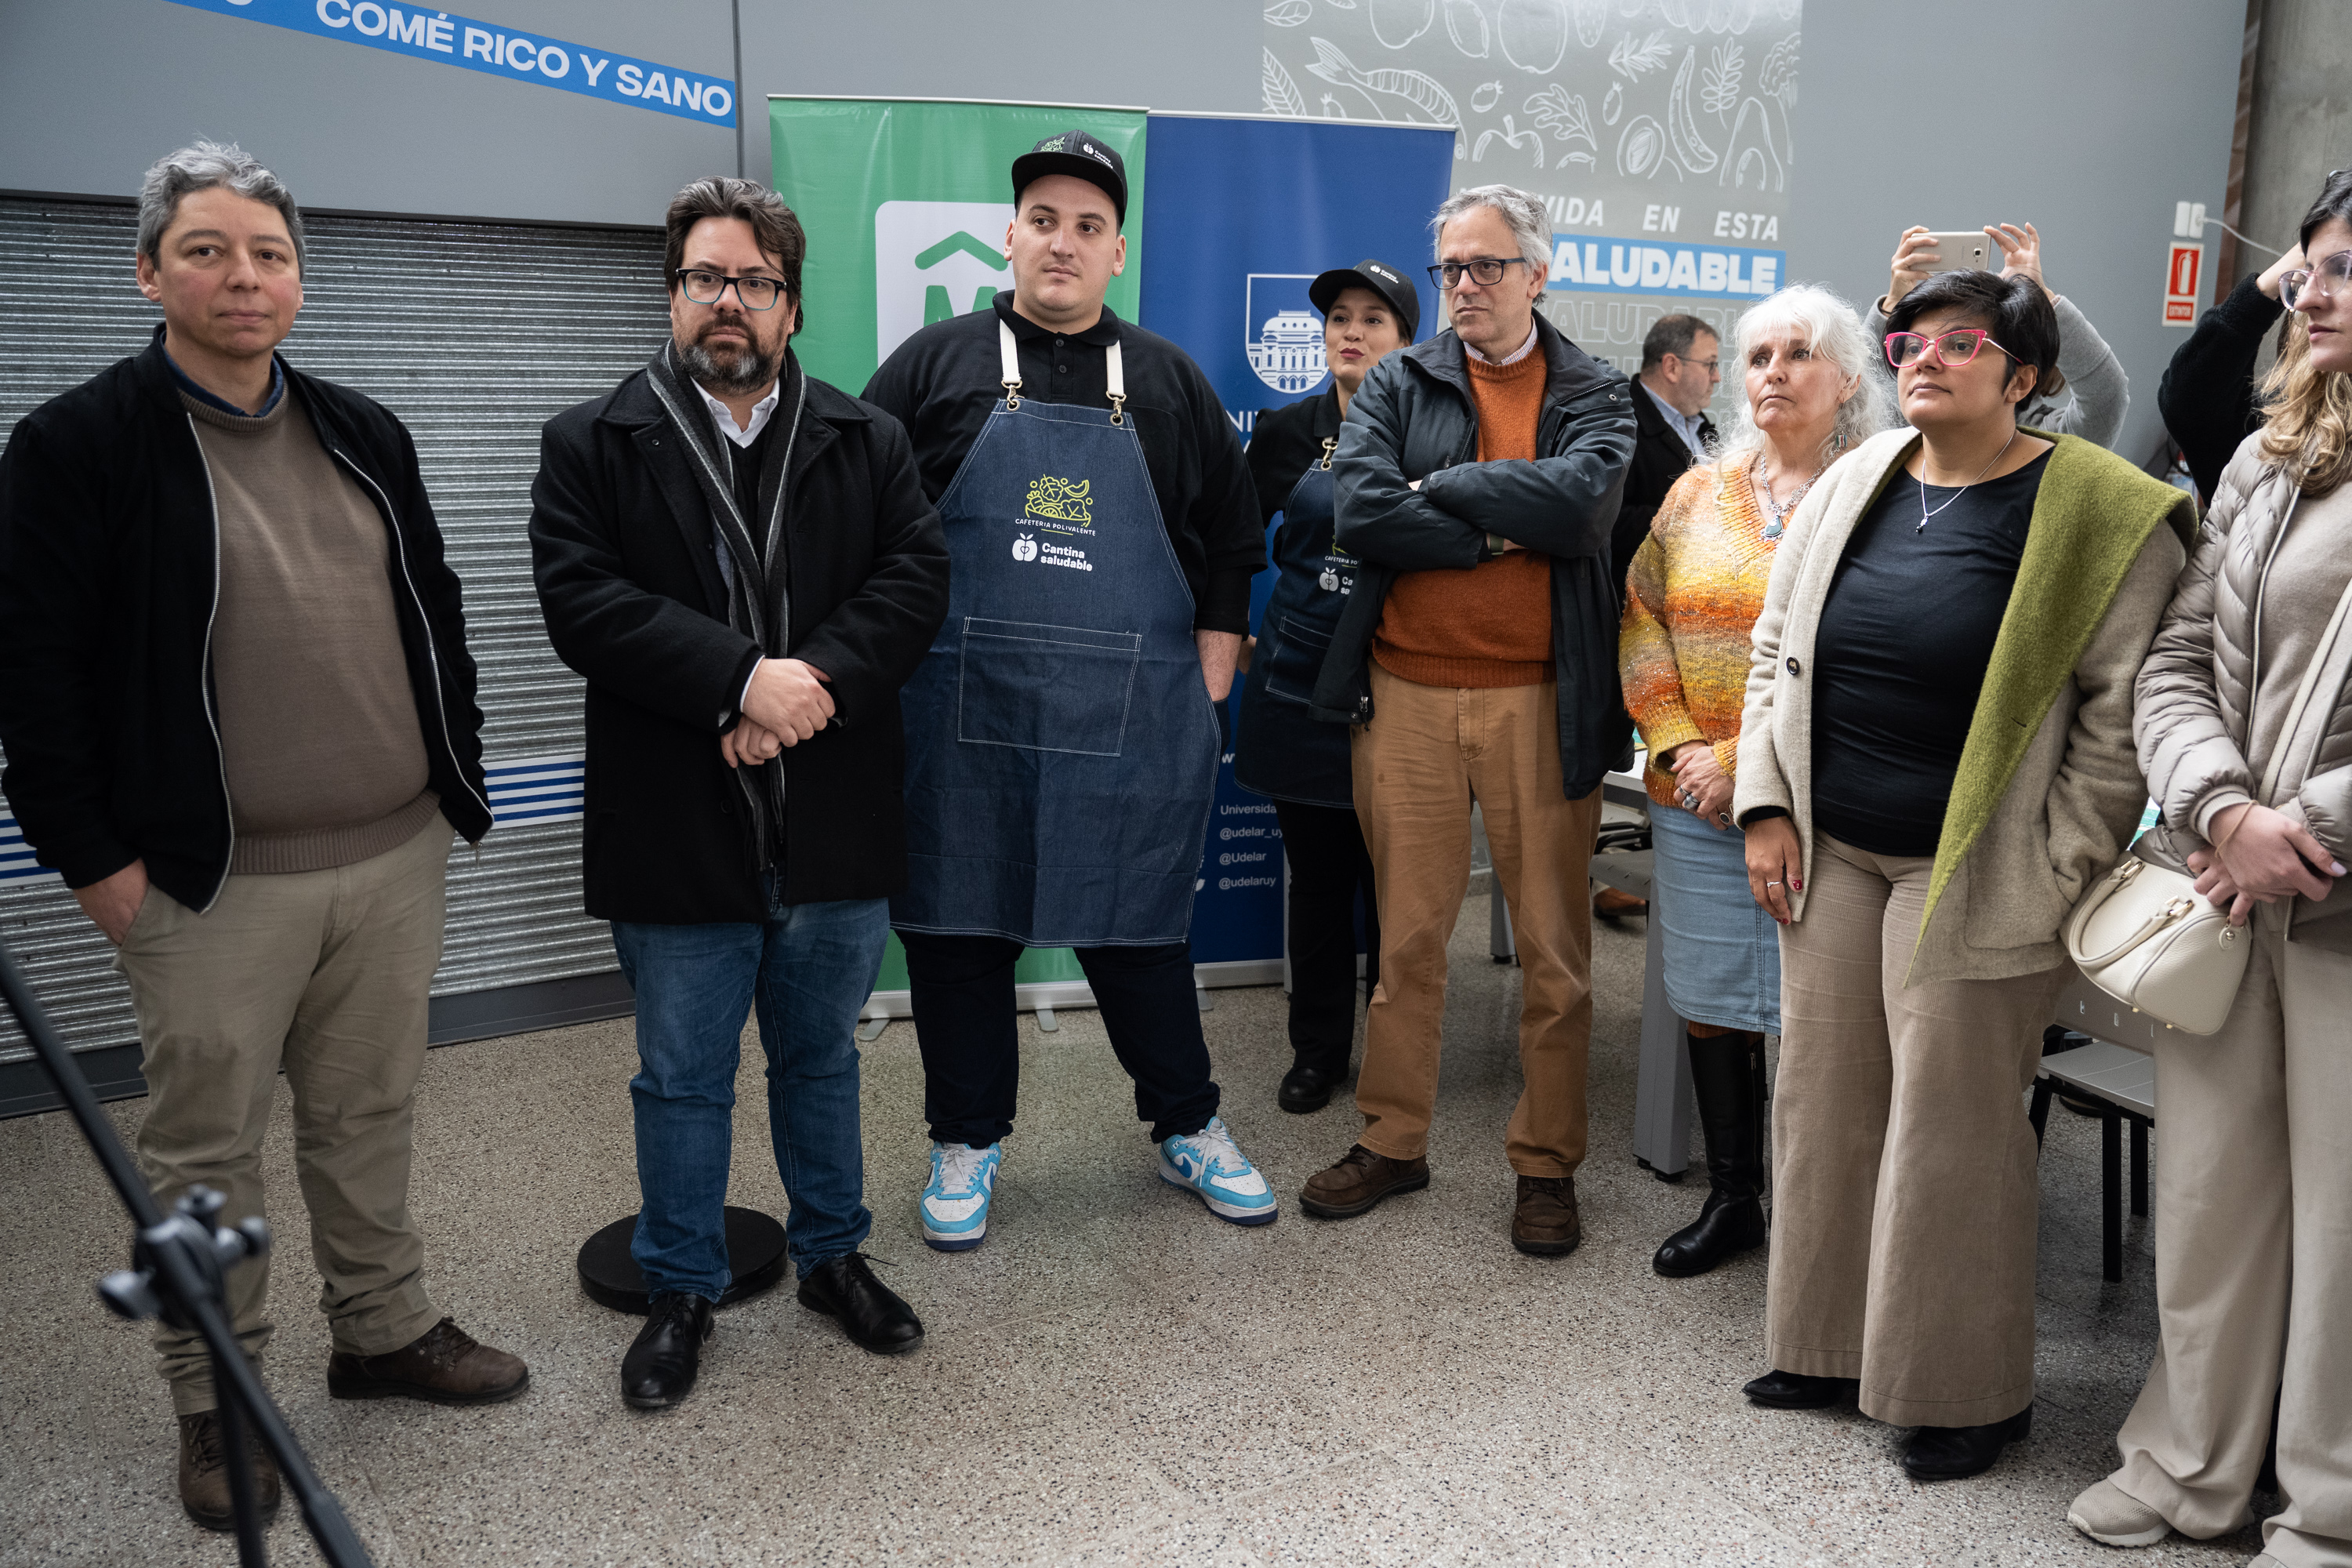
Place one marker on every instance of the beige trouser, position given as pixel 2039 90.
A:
pixel 1427 753
pixel 324 973
pixel 2254 1262
pixel 1906 1167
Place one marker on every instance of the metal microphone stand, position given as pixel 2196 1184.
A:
pixel 177 1266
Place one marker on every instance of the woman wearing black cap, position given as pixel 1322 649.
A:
pixel 1278 749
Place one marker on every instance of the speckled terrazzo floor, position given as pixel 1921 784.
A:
pixel 1114 1377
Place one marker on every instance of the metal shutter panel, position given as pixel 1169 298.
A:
pixel 474 335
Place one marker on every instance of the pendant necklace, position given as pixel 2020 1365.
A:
pixel 1924 513
pixel 1779 510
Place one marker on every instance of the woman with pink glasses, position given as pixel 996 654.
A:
pixel 1935 761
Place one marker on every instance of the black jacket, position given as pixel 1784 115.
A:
pixel 2207 396
pixel 1660 458
pixel 1285 443
pixel 1413 419
pixel 109 561
pixel 628 578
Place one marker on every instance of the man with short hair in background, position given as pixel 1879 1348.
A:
pixel 1478 473
pixel 1681 368
pixel 239 719
pixel 741 561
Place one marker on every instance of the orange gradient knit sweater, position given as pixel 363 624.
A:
pixel 1490 626
pixel 1692 597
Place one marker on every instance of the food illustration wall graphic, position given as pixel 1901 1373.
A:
pixel 1661 133
pixel 933 261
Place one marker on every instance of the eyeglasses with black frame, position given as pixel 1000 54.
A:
pixel 2322 278
pixel 1484 271
pixel 1953 349
pixel 707 288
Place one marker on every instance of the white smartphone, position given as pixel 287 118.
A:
pixel 1969 251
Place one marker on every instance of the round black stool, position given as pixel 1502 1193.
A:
pixel 755 1257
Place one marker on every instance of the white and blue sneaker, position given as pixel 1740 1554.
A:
pixel 1209 1163
pixel 955 1203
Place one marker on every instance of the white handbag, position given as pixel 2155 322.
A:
pixel 2146 937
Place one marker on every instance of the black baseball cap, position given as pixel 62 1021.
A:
pixel 1381 278
pixel 1078 153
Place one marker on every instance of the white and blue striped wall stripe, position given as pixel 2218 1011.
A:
pixel 529 790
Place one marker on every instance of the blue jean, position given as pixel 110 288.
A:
pixel 809 969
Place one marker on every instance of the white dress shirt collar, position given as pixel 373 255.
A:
pixel 1522 351
pixel 724 418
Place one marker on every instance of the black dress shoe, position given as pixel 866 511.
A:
pixel 1950 1453
pixel 1305 1088
pixel 871 1313
pixel 1797 1391
pixel 663 1361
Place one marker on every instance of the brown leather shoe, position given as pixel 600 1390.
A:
pixel 1546 1224
pixel 446 1365
pixel 1612 905
pixel 203 1472
pixel 1360 1179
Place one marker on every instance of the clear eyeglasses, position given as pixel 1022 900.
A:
pixel 707 288
pixel 2322 278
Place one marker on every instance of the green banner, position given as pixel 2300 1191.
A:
pixel 906 205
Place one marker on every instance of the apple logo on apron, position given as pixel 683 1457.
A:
pixel 1329 580
pixel 1024 548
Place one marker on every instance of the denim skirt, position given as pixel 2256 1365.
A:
pixel 1722 952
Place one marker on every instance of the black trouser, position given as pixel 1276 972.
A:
pixel 961 987
pixel 1329 864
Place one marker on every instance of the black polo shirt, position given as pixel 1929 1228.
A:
pixel 942 382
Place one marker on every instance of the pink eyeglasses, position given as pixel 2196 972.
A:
pixel 1957 347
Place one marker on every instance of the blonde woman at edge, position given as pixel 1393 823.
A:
pixel 1935 762
pixel 2253 1199
pixel 1691 600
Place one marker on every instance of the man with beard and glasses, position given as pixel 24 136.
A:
pixel 742 562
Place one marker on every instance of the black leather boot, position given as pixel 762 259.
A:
pixel 1728 1072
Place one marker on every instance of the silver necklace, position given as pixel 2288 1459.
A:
pixel 1924 513
pixel 1779 509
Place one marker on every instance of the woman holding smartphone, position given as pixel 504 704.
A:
pixel 1279 751
pixel 1935 763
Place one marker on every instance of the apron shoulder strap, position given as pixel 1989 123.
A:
pixel 1008 359
pixel 1115 373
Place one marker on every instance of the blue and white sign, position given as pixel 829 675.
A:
pixel 1605 266
pixel 429 35
pixel 1243 214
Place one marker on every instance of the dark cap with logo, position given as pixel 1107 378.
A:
pixel 1381 278
pixel 1080 155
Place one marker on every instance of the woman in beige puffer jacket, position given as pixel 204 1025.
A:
pixel 2245 724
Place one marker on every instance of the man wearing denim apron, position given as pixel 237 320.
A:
pixel 1063 735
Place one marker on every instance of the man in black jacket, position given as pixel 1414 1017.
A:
pixel 741 561
pixel 239 719
pixel 1477 474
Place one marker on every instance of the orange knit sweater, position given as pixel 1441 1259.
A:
pixel 1490 626
pixel 1692 597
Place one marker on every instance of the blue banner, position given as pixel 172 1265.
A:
pixel 425 33
pixel 1244 214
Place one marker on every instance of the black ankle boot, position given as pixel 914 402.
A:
pixel 1728 1072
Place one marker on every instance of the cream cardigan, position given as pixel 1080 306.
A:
pixel 2049 791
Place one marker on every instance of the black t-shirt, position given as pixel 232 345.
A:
pixel 942 384
pixel 1905 640
pixel 1287 443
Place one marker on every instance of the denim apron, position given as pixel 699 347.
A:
pixel 1278 749
pixel 1061 746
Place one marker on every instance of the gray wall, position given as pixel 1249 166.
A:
pixel 2090 118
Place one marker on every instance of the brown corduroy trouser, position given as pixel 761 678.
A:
pixel 1427 753
pixel 1904 1166
pixel 325 973
pixel 2254 1262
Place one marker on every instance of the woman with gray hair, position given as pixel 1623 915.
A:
pixel 1691 597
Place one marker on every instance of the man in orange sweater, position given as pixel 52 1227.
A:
pixel 1478 476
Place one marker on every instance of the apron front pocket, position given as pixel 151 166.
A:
pixel 1295 660
pixel 1045 689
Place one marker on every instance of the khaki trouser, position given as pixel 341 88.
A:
pixel 1905 1168
pixel 2254 1262
pixel 324 973
pixel 1427 753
